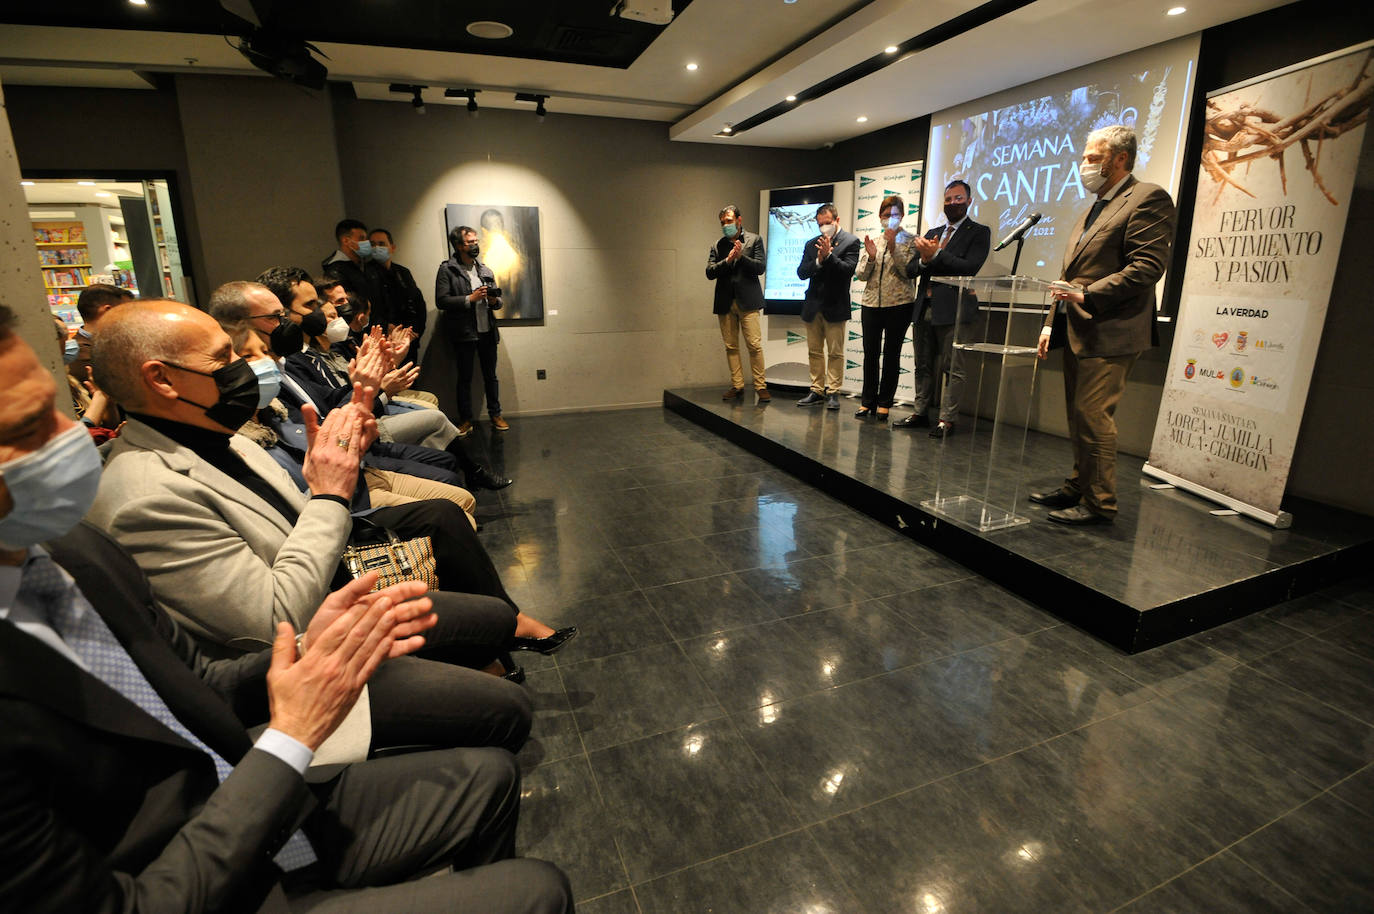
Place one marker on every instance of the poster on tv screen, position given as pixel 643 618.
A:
pixel 791 224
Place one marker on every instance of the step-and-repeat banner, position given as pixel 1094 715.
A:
pixel 1278 166
pixel 870 187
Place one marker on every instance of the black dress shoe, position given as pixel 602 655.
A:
pixel 513 673
pixel 483 478
pixel 547 644
pixel 811 399
pixel 943 430
pixel 915 420
pixel 1078 516
pixel 881 417
pixel 1058 498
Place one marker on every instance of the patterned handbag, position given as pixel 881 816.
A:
pixel 375 548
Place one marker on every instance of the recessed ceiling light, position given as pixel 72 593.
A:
pixel 890 49
pixel 103 193
pixel 727 129
pixel 27 183
pixel 486 28
pixel 139 2
pixel 691 66
pixel 862 118
pixel 790 98
pixel 1177 10
pixel 86 183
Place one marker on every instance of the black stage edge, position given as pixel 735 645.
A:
pixel 1166 569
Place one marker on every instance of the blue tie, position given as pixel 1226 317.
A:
pixel 44 587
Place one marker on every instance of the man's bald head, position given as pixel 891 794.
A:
pixel 144 331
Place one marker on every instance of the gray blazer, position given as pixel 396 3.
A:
pixel 1117 261
pixel 221 560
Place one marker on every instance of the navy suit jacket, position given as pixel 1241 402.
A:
pixel 962 256
pixel 827 293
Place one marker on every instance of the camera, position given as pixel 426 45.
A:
pixel 493 291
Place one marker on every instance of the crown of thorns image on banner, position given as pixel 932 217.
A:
pixel 1241 134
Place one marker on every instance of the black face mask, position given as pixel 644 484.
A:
pixel 287 338
pixel 955 211
pixel 474 250
pixel 238 393
pixel 314 324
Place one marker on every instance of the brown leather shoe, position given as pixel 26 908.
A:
pixel 733 393
pixel 501 425
pixel 1057 498
pixel 464 429
pixel 764 395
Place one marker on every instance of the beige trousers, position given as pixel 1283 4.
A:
pixel 387 488
pixel 825 353
pixel 731 324
pixel 1092 390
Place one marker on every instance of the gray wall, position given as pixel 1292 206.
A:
pixel 626 218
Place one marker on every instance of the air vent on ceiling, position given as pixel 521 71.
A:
pixel 571 39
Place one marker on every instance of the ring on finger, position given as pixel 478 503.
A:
pixel 342 442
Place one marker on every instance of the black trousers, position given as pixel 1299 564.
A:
pixel 382 823
pixel 883 332
pixel 476 615
pixel 483 349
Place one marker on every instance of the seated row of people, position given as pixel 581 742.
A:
pixel 205 551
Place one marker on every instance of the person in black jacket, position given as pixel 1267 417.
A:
pixel 465 291
pixel 405 300
pixel 735 262
pixel 352 265
pixel 828 261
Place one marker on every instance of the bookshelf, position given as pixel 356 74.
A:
pixel 65 260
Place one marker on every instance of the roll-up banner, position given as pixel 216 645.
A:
pixel 1279 156
pixel 871 185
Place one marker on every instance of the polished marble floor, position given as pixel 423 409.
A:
pixel 777 704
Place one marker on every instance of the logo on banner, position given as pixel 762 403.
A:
pixel 1240 341
pixel 1266 383
pixel 1199 336
pixel 794 338
pixel 865 213
pixel 892 193
pixel 1191 369
pixel 864 182
pixel 850 365
pixel 1237 377
pixel 854 336
pixel 902 371
pixel 1269 345
pixel 1219 339
pixel 854 306
pixel 915 174
pixel 913 208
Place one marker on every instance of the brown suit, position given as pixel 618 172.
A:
pixel 1117 261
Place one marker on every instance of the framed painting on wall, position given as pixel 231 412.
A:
pixel 509 240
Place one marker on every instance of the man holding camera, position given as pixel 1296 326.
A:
pixel 465 291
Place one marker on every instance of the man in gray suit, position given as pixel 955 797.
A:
pixel 1105 315
pixel 735 262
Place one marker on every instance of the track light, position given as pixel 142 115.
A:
pixel 539 110
pixel 469 94
pixel 415 99
pixel 417 102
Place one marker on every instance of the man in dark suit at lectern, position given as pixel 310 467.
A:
pixel 957 248
pixel 1105 314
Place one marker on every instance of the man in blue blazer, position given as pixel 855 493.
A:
pixel 828 261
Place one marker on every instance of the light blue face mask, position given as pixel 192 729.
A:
pixel 381 253
pixel 365 249
pixel 269 380
pixel 70 350
pixel 729 229
pixel 51 489
pixel 894 222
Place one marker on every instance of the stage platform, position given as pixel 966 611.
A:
pixel 1167 568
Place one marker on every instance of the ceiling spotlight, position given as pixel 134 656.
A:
pixel 691 66
pixel 139 2
pixel 539 112
pixel 790 98
pixel 27 183
pixel 469 94
pixel 727 129
pixel 537 99
pixel 103 193
pixel 417 102
pixel 862 118
pixel 1177 10
pixel 86 183
pixel 890 49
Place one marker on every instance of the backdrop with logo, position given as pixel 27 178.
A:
pixel 871 185
pixel 1278 166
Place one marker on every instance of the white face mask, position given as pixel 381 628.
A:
pixel 336 331
pixel 51 488
pixel 829 229
pixel 1092 177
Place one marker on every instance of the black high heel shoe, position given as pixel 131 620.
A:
pixel 546 645
pixel 863 413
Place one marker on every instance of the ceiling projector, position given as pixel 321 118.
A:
pixel 654 12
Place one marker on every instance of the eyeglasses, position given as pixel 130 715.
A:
pixel 277 316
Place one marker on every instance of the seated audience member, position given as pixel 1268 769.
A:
pixel 92 304
pixel 90 405
pixel 207 514
pixel 128 777
pixel 265 312
pixel 272 429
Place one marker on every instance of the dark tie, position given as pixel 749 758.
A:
pixel 44 587
pixel 1093 214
